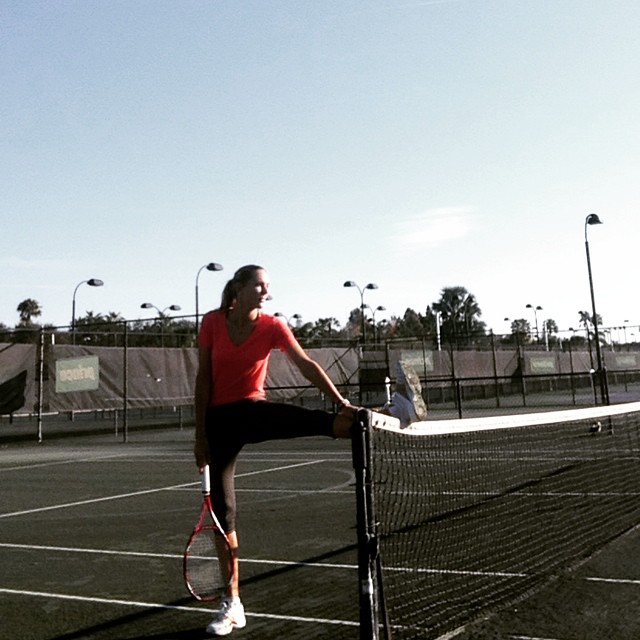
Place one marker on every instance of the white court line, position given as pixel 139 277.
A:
pixel 530 638
pixel 288 466
pixel 157 605
pixel 92 501
pixel 614 580
pixel 286 563
pixel 54 463
pixel 292 563
pixel 107 552
pixel 146 491
pixel 298 492
pixel 170 556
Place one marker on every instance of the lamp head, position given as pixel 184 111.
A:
pixel 95 282
pixel 349 283
pixel 175 307
pixel 371 285
pixel 146 305
pixel 214 266
pixel 593 218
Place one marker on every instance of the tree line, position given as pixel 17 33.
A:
pixel 453 320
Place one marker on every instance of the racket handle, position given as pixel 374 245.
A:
pixel 205 480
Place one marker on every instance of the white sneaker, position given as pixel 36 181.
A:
pixel 407 403
pixel 230 616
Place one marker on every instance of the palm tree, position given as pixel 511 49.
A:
pixel 28 309
pixel 550 326
pixel 521 329
pixel 91 319
pixel 460 313
pixel 585 319
pixel 113 317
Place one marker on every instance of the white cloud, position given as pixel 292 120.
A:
pixel 433 228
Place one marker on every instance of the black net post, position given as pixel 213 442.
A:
pixel 366 525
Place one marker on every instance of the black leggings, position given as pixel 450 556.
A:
pixel 231 426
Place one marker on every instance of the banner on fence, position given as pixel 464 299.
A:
pixel 543 364
pixel 77 374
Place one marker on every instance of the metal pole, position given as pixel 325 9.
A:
pixel 371 285
pixel 573 384
pixel 367 541
pixel 197 300
pixel 125 385
pixel 495 368
pixel 73 319
pixel 521 365
pixel 362 322
pixel 92 282
pixel 601 372
pixel 40 383
pixel 212 266
pixel 73 313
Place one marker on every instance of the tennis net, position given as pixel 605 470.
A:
pixel 458 518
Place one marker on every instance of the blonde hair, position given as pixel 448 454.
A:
pixel 240 278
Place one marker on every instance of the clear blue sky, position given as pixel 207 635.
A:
pixel 415 144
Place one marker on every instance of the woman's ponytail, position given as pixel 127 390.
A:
pixel 239 280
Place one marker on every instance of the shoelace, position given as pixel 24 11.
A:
pixel 225 606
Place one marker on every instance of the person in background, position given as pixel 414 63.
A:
pixel 234 344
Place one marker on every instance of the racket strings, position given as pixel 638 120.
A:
pixel 203 572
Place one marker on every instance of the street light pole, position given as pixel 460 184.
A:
pixel 173 307
pixel 212 266
pixel 92 282
pixel 371 285
pixel 148 305
pixel 373 320
pixel 601 372
pixel 535 316
pixel 296 316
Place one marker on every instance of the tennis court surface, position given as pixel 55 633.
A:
pixel 92 532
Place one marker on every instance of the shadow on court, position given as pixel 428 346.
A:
pixel 92 532
pixel 598 600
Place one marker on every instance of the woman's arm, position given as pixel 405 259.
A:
pixel 314 373
pixel 202 395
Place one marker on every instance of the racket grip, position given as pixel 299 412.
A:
pixel 205 480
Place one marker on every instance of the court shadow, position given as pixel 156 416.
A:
pixel 184 634
pixel 124 627
pixel 272 573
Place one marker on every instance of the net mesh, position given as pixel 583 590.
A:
pixel 474 514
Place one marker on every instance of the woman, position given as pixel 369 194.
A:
pixel 231 410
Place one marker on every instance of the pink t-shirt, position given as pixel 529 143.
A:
pixel 239 371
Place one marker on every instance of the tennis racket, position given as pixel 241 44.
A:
pixel 208 561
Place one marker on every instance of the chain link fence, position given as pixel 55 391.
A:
pixel 48 383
